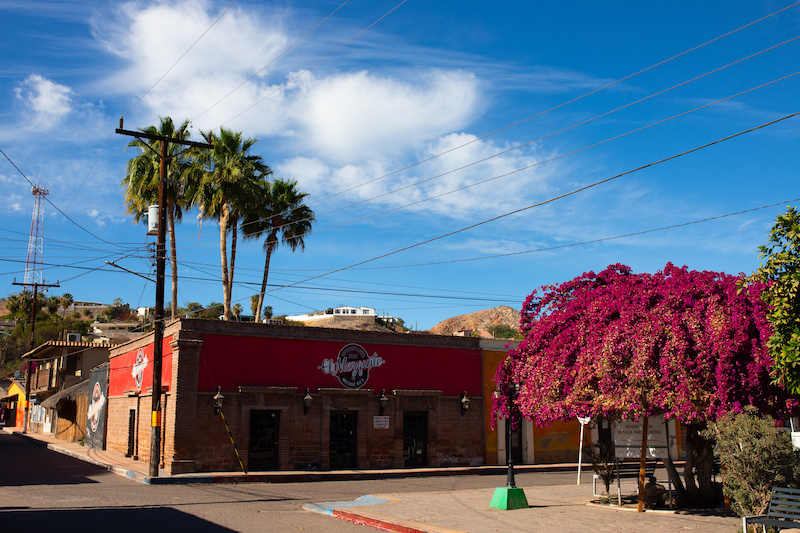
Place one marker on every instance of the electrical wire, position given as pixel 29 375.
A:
pixel 271 62
pixel 515 171
pixel 314 65
pixel 54 205
pixel 577 98
pixel 582 243
pixel 179 59
pixel 550 200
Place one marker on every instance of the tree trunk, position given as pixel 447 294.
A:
pixel 270 247
pixel 173 258
pixel 234 225
pixel 223 252
pixel 699 465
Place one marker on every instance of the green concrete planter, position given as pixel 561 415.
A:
pixel 508 498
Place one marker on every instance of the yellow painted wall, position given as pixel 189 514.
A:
pixel 491 361
pixel 20 392
pixel 558 442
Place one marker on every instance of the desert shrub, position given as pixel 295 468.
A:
pixel 755 456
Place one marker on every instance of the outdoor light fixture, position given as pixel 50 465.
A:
pixel 383 401
pixel 219 399
pixel 464 403
pixel 307 399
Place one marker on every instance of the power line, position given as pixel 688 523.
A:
pixel 54 205
pixel 629 76
pixel 515 171
pixel 593 241
pixel 179 59
pixel 271 62
pixel 553 199
pixel 314 65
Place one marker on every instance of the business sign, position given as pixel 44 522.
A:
pixel 380 422
pixel 137 371
pixel 96 410
pixel 627 435
pixel 352 366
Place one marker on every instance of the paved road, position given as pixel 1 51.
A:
pixel 41 490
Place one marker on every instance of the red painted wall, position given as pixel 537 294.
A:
pixel 232 361
pixel 121 380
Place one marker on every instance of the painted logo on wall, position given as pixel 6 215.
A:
pixel 138 368
pixel 96 407
pixel 352 366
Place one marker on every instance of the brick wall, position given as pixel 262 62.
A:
pixel 194 438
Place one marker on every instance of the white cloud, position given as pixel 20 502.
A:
pixel 16 207
pixel 49 100
pixel 341 117
pixel 352 117
pixel 93 213
pixel 509 191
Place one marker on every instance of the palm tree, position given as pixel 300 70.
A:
pixel 66 301
pixel 229 180
pixel 142 179
pixel 280 216
pixel 237 310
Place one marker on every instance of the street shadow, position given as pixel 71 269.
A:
pixel 29 463
pixel 116 520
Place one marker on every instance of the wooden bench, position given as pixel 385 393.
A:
pixel 783 511
pixel 626 470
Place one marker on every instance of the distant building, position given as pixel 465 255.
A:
pixel 344 312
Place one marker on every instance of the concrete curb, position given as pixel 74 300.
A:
pixel 291 476
pixel 348 511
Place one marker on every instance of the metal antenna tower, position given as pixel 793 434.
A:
pixel 33 267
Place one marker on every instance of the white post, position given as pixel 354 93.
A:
pixel 583 421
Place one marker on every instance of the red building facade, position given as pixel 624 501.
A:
pixel 266 371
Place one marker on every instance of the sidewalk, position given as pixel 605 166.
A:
pixel 139 470
pixel 564 508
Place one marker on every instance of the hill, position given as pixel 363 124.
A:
pixel 480 320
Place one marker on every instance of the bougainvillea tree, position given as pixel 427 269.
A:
pixel 619 345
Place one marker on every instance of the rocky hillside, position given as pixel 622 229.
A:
pixel 479 320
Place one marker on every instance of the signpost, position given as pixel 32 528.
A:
pixel 583 420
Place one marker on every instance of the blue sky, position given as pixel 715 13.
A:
pixel 415 98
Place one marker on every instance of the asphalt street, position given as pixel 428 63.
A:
pixel 44 491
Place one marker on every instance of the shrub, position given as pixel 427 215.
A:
pixel 755 456
pixel 601 455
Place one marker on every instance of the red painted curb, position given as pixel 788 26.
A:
pixel 376 523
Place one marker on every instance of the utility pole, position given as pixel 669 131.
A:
pixel 158 326
pixel 30 348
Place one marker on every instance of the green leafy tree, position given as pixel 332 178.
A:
pixel 141 183
pixel 502 331
pixel 279 216
pixel 66 301
pixel 193 308
pixel 52 304
pixel 756 456
pixel 229 178
pixel 781 269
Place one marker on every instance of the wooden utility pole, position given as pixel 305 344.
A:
pixel 158 326
pixel 30 348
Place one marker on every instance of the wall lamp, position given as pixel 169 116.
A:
pixel 307 399
pixel 464 403
pixel 219 399
pixel 383 401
